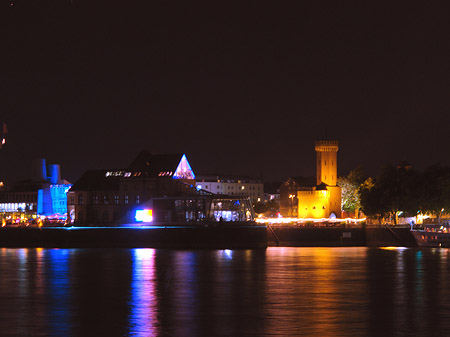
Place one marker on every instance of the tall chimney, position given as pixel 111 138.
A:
pixel 54 173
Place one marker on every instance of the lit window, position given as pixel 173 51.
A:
pixel 125 200
pixel 105 199
pixel 116 199
pixel 137 199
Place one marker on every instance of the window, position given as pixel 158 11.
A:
pixel 116 199
pixel 137 199
pixel 105 199
pixel 80 199
pixel 95 200
pixel 125 200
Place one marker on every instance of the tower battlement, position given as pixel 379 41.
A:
pixel 327 145
pixel 326 152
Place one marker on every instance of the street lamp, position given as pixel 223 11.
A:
pixel 292 196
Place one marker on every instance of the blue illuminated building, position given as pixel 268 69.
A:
pixel 44 195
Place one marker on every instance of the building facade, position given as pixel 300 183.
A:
pixel 233 186
pixel 105 197
pixel 43 196
pixel 322 200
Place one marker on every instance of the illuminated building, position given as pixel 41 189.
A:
pixel 322 200
pixel 288 194
pixel 109 195
pixel 233 186
pixel 194 209
pixel 43 195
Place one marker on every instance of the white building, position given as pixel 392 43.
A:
pixel 233 186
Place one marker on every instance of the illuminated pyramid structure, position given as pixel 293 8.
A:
pixel 163 165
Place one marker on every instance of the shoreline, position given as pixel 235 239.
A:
pixel 206 237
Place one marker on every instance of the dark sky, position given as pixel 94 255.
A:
pixel 242 87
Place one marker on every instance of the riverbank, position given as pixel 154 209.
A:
pixel 172 237
pixel 289 235
pixel 207 237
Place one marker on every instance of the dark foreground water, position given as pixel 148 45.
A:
pixel 273 292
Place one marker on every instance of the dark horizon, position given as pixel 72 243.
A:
pixel 240 88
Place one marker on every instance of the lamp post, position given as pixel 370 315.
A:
pixel 292 196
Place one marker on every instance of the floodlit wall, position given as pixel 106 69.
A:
pixel 313 204
pixel 318 204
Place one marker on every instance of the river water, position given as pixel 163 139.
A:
pixel 273 292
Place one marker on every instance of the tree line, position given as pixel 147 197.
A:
pixel 398 190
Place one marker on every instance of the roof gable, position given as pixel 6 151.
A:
pixel 96 180
pixel 174 165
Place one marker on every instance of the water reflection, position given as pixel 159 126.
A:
pixel 315 291
pixel 56 262
pixel 276 292
pixel 143 320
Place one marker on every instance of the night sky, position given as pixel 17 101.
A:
pixel 241 87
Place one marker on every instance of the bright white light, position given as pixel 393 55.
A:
pixel 144 215
pixel 228 253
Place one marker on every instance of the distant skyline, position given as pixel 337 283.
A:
pixel 239 87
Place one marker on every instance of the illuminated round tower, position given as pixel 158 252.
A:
pixel 326 152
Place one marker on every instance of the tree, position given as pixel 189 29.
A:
pixel 434 190
pixel 270 208
pixel 397 185
pixel 394 190
pixel 350 190
pixel 372 201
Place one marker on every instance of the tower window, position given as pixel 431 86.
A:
pixel 325 162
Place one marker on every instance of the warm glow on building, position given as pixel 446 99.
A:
pixel 323 200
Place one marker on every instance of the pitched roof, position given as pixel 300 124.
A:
pixel 96 180
pixel 154 164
